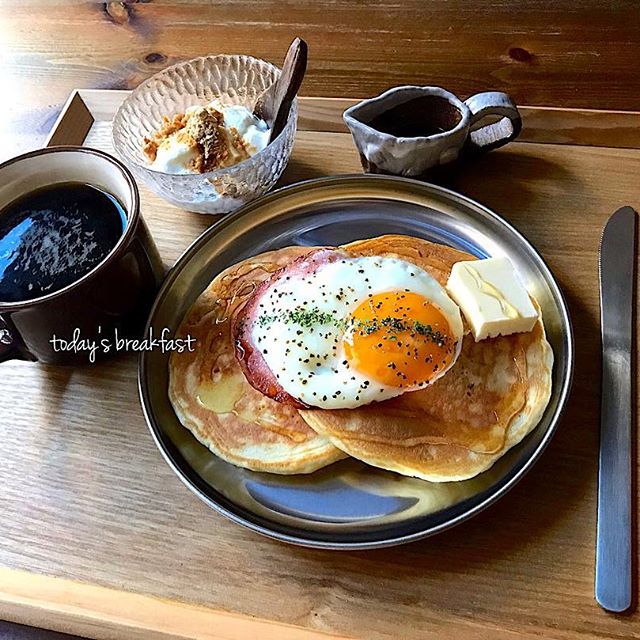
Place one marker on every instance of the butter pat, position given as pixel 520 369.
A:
pixel 492 298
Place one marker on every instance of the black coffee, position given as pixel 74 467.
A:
pixel 423 116
pixel 53 236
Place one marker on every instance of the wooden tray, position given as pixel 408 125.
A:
pixel 98 536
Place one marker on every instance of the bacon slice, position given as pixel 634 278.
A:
pixel 252 363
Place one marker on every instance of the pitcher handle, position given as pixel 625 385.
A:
pixel 496 134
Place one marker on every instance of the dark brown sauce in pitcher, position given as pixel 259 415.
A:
pixel 420 117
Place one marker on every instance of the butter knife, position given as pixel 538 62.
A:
pixel 613 586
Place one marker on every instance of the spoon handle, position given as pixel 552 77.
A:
pixel 288 84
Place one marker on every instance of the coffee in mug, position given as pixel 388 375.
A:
pixel 76 257
pixel 53 236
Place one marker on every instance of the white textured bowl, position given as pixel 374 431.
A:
pixel 233 79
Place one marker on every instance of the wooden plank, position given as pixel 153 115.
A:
pixel 541 124
pixel 87 498
pixel 588 127
pixel 73 124
pixel 72 607
pixel 541 52
pixel 580 55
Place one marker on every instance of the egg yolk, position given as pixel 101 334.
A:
pixel 399 338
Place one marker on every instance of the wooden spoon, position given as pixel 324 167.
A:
pixel 275 104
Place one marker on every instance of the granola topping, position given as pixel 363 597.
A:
pixel 205 138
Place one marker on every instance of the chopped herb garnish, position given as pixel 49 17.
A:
pixel 308 318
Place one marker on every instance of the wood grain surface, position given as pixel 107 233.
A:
pixel 86 496
pixel 112 614
pixel 583 127
pixel 543 52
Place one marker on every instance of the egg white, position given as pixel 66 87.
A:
pixel 309 362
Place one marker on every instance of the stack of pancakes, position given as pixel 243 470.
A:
pixel 454 429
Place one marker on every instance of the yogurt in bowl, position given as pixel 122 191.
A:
pixel 189 133
pixel 206 138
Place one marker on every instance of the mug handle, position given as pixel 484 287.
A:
pixel 8 349
pixel 491 136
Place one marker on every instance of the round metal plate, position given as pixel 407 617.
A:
pixel 348 504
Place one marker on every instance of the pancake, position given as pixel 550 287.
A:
pixel 459 426
pixel 212 398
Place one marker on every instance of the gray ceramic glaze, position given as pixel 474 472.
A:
pixel 382 152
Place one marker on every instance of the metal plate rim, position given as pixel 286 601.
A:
pixel 301 540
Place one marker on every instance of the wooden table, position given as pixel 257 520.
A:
pixel 98 537
pixel 570 53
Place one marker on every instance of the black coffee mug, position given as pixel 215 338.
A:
pixel 115 295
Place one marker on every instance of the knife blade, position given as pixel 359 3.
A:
pixel 613 583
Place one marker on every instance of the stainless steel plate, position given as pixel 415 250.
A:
pixel 348 504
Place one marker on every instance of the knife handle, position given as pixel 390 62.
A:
pixel 613 543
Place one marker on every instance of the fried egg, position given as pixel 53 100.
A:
pixel 357 330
